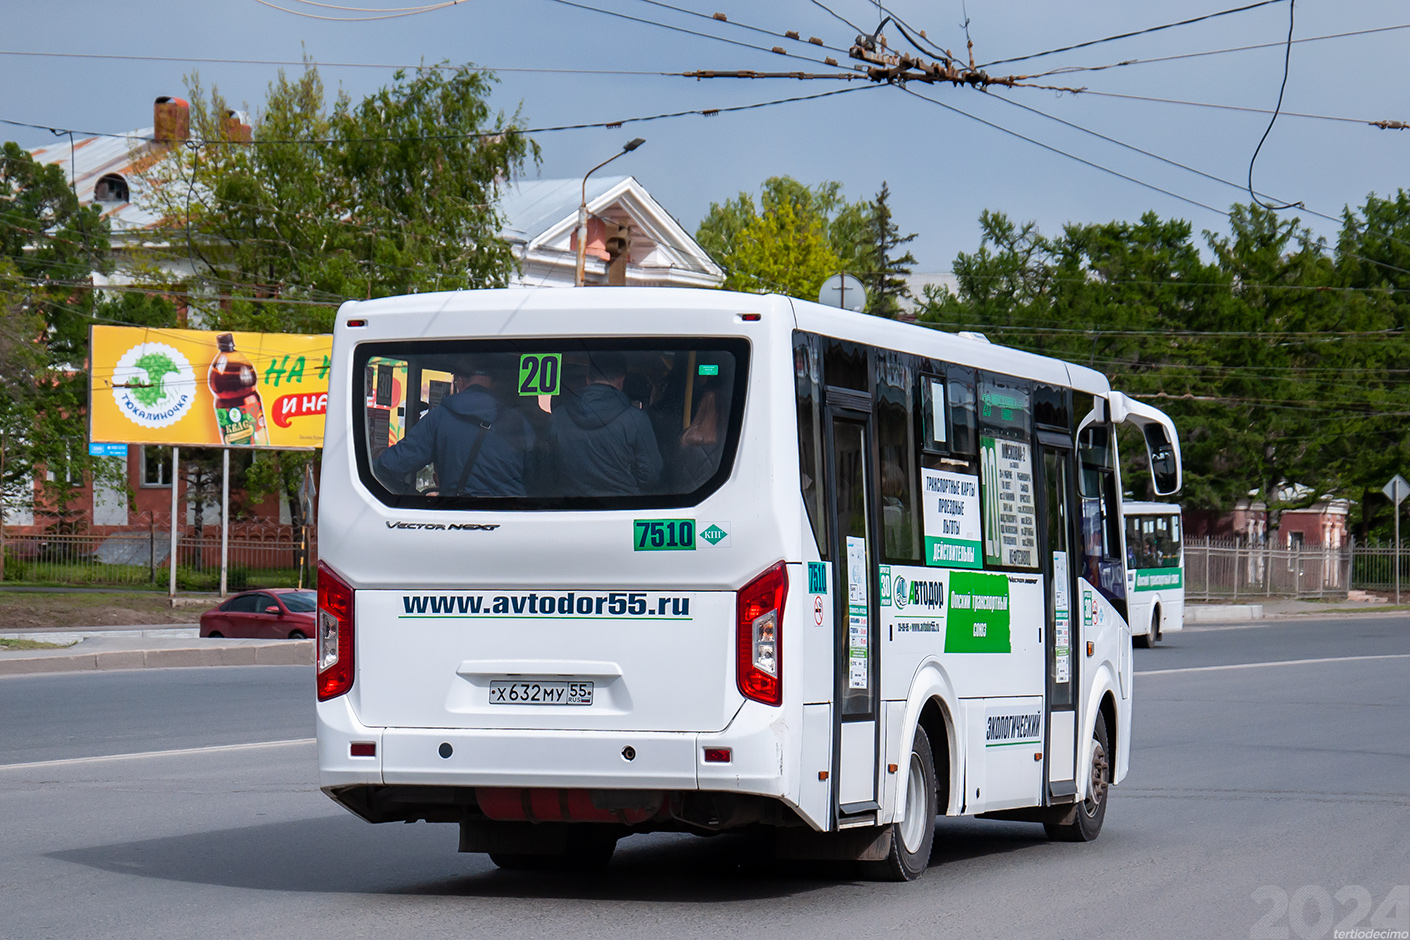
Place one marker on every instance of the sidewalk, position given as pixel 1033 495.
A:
pixel 1284 609
pixel 144 647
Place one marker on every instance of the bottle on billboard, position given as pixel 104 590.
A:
pixel 238 408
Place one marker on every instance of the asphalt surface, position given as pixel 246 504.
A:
pixel 1251 787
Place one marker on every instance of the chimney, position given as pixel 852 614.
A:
pixel 172 117
pixel 236 127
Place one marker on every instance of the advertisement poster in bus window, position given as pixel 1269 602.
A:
pixel 950 515
pixel 200 388
pixel 1010 506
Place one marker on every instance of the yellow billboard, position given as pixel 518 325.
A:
pixel 199 388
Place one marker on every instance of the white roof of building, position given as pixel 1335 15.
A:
pixel 89 159
pixel 540 215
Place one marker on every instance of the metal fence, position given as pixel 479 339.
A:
pixel 141 558
pixel 1226 569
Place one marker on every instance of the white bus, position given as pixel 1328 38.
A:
pixel 719 561
pixel 1155 570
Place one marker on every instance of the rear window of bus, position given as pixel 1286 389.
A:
pixel 544 424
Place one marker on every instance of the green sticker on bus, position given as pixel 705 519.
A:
pixel 978 617
pixel 1159 579
pixel 664 535
pixel 540 373
pixel 709 370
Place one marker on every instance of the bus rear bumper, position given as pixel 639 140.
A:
pixel 607 760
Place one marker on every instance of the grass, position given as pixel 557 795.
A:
pixel 32 645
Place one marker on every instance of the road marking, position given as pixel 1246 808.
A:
pixel 1276 662
pixel 214 749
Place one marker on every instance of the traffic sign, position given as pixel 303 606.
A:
pixel 1397 489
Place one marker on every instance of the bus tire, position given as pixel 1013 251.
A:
pixel 913 837
pixel 1083 821
pixel 1155 625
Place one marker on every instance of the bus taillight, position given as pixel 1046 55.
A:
pixel 759 637
pixel 335 634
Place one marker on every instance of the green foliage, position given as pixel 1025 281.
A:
pixel 392 194
pixel 1282 363
pixel 50 246
pixel 885 277
pixel 790 241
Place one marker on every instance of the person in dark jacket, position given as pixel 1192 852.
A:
pixel 605 445
pixel 470 424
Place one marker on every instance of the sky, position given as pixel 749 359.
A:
pixel 943 166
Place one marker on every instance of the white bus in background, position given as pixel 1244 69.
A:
pixel 1155 570
pixel 873 574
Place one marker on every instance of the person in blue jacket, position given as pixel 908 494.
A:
pixel 478 445
pixel 605 445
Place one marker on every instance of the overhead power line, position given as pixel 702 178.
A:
pixel 377 15
pixel 523 131
pixel 198 60
pixel 1138 32
pixel 1069 69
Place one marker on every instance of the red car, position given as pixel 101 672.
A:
pixel 271 614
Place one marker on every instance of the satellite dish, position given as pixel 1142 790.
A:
pixel 843 290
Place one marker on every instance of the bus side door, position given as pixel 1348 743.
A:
pixel 1061 639
pixel 856 701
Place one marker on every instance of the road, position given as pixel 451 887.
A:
pixel 1266 801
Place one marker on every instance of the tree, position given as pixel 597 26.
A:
pixel 885 279
pixel 792 240
pixel 396 193
pixel 1278 360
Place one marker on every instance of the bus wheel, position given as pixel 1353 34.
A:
pixel 912 838
pixel 1155 626
pixel 1083 822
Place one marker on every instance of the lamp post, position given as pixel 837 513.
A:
pixel 628 147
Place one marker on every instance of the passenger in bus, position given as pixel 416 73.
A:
pixel 477 444
pixel 604 445
pixel 699 453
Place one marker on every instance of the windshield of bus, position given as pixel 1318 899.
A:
pixel 562 423
pixel 1153 541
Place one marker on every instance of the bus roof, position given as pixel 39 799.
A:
pixel 1135 508
pixel 951 347
pixel 811 317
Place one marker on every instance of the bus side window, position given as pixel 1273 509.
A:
pixel 807 380
pixel 964 434
pixel 1101 514
pixel 896 425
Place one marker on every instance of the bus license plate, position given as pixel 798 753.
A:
pixel 505 692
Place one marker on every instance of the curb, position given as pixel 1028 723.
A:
pixel 276 653
pixel 1222 613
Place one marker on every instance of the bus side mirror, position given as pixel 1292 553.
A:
pixel 1162 446
pixel 1165 465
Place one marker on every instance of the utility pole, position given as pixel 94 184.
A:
pixel 628 147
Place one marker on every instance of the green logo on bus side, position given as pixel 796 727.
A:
pixel 664 535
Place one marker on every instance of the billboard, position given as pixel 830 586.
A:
pixel 199 388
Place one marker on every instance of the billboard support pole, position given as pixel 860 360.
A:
pixel 224 518
pixel 175 485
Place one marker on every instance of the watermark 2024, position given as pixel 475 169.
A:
pixel 1311 913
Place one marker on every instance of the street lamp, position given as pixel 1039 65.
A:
pixel 628 147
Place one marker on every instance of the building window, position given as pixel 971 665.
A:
pixel 156 466
pixel 111 188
